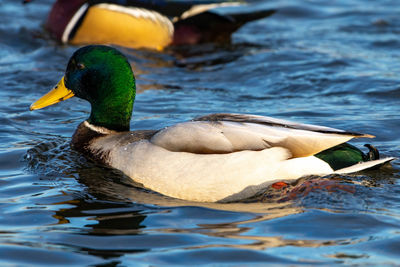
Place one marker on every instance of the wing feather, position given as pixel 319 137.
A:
pixel 226 133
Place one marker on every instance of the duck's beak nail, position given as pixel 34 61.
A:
pixel 57 94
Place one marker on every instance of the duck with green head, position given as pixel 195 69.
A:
pixel 217 157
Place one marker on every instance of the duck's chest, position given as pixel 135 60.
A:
pixel 82 141
pixel 96 142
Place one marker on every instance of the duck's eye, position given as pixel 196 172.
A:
pixel 80 66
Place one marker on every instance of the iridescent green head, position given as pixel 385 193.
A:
pixel 102 76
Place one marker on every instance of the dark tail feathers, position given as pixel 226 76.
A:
pixel 372 154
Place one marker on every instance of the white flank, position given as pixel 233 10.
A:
pixel 207 177
pixel 72 22
pixel 141 13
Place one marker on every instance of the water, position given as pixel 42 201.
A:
pixel 335 64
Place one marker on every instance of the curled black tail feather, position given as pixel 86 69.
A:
pixel 373 152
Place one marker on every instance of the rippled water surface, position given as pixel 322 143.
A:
pixel 335 63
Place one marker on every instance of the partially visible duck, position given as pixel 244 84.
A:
pixel 217 157
pixel 146 23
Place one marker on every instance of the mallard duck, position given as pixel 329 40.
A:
pixel 146 24
pixel 217 157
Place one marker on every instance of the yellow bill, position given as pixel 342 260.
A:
pixel 57 94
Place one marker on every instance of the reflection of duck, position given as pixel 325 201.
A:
pixel 138 23
pixel 214 157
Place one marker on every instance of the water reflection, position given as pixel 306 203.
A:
pixel 107 229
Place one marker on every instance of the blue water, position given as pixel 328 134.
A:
pixel 334 63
